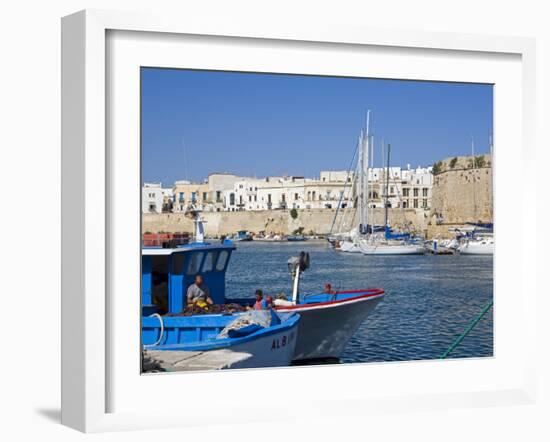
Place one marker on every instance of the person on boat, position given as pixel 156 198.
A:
pixel 328 288
pixel 260 303
pixel 198 293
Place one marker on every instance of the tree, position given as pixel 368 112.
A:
pixel 480 161
pixel 452 163
pixel 293 213
pixel 437 168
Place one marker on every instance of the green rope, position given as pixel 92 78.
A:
pixel 467 330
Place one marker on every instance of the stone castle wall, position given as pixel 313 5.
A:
pixel 317 221
pixel 461 194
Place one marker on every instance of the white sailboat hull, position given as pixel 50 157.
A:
pixel 326 328
pixel 349 247
pixel 390 249
pixel 477 248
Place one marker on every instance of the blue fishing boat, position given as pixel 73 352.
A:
pixel 238 339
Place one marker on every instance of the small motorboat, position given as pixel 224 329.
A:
pixel 296 238
pixel 269 238
pixel 242 235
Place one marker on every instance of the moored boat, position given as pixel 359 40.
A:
pixel 296 238
pixel 241 339
pixel 267 342
pixel 391 247
pixel 328 319
pixel 479 245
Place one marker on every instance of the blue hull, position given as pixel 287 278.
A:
pixel 200 332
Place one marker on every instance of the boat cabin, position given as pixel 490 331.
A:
pixel 168 272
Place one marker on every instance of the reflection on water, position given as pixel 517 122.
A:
pixel 429 299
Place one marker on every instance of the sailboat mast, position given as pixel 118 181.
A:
pixel 474 181
pixel 359 180
pixel 387 187
pixel 366 172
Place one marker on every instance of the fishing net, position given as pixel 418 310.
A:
pixel 195 309
pixel 259 318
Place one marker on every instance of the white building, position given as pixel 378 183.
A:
pixel 243 195
pixel 407 188
pixel 288 192
pixel 152 198
pixel 218 185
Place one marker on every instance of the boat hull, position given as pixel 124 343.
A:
pixel 276 350
pixel 349 247
pixel 269 347
pixel 326 327
pixel 473 248
pixel 386 249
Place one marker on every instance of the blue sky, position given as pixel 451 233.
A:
pixel 198 122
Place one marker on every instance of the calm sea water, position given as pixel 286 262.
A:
pixel 429 299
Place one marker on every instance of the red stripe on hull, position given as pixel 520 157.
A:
pixel 372 293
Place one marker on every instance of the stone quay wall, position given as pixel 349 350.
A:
pixel 315 221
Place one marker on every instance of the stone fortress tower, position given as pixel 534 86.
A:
pixel 462 192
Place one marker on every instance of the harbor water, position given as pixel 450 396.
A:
pixel 429 299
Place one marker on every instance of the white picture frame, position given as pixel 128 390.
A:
pixel 87 229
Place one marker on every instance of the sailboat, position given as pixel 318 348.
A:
pixel 480 240
pixel 386 242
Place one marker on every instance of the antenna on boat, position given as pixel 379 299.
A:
pixel 195 214
pixel 365 174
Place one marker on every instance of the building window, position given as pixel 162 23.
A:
pixel 425 203
pixel 283 196
pixel 218 196
pixel 406 192
pixel 193 196
pixel 424 191
pixel 405 204
pixel 204 196
pixel 182 197
pixel 296 197
pixel 231 199
pixel 415 203
pixel 415 191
